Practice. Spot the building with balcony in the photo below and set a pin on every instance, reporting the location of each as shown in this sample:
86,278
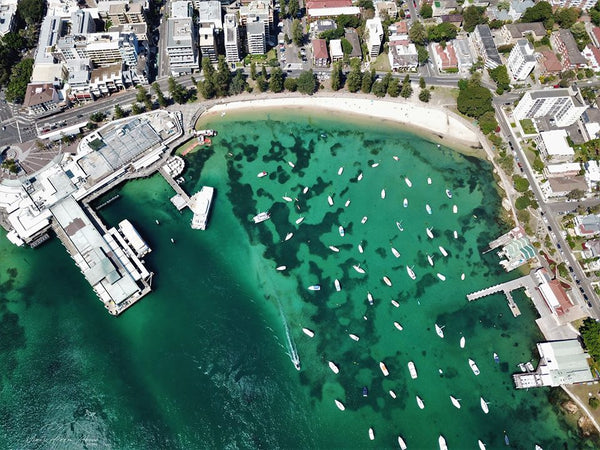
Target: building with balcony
232,38
564,43
483,42
562,106
521,60
256,39
374,36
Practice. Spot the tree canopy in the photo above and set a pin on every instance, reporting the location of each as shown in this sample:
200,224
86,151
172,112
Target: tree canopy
418,33
444,31
521,183
501,77
31,11
307,84
540,12
276,80
426,11
590,332
19,77
473,99
595,14
488,122
566,17
473,16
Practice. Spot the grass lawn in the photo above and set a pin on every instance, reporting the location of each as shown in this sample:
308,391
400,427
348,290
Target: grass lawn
528,127
381,63
187,147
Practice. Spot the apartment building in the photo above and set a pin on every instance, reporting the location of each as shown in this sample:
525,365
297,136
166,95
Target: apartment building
564,43
256,38
483,42
182,40
581,4
258,10
563,106
232,38
374,32
521,60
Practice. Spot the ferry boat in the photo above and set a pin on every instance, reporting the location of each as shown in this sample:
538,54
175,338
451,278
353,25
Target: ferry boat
365,391
340,170
398,326
314,287
305,190
462,276
496,359
363,220
371,434
484,405
430,260
262,174
341,231
420,403
286,198
374,164
408,182
201,207
354,337
292,165
261,217
474,367
401,443
455,209
428,208
333,367
280,268
338,287
455,401
481,444
442,443
383,369
410,272
455,234
340,405
360,176
360,248
443,251
399,225
449,193
308,332
288,236
462,342
347,203
395,252
383,193
413,370
358,268
333,248
370,298
387,281
395,303
428,180
392,394
441,276
429,233
299,220
405,203
329,200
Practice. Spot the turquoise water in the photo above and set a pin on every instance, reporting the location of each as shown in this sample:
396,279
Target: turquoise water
204,360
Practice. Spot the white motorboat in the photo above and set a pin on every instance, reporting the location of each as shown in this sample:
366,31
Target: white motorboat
428,208
413,370
474,367
172,241
462,276
395,252
405,203
398,326
157,222
358,268
262,174
384,369
360,176
370,298
299,220
441,276
288,236
387,281
305,190
329,200
455,234
314,287
455,209
408,182
455,401
401,443
399,225
428,180
340,405
261,217
410,272
333,367
392,394
443,251
333,248
482,445
363,220
420,403
341,231
395,158
292,165
429,233
360,248
430,259
383,193
286,198
340,170
347,203
448,193
280,268
484,405
337,284
308,332
439,330
442,443
529,366
374,164
462,342
354,337
395,303
371,434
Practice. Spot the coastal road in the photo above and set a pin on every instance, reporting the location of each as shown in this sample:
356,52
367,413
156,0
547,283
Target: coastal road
557,238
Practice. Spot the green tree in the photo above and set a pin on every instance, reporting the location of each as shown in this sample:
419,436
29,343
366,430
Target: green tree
590,332
473,99
521,184
307,83
354,81
422,84
13,41
444,31
501,77
406,90
422,54
522,203
426,11
222,77
31,11
595,14
496,24
337,81
379,89
119,113
207,88
386,80
425,95
473,16
17,83
208,69
97,117
394,88
594,402
261,84
367,82
418,33
346,46
575,194
293,8
263,72
136,109
581,35
177,92
160,97
290,84
238,83
540,12
143,97
566,17
276,80
488,122
253,70
297,32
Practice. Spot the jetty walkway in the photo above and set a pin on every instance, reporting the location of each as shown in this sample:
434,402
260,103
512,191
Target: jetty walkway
526,282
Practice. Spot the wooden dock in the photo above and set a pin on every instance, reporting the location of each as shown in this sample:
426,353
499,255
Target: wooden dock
177,188
526,282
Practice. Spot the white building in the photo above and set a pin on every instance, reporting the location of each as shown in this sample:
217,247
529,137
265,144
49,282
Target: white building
553,144
563,106
8,13
568,169
521,60
232,39
182,41
256,37
374,31
592,175
209,14
581,4
258,10
335,50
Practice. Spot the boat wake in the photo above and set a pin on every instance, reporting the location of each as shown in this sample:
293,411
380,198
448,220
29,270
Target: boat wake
290,344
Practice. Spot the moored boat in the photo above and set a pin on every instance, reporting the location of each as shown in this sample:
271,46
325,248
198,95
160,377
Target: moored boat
496,359
392,394
371,433
442,443
462,276
383,193
443,251
428,180
341,231
410,272
286,198
455,401
408,182
333,248
299,220
395,303
333,367
280,268
354,337
305,190
360,176
429,233
455,209
405,203
439,330
395,252
529,366
369,298
340,405
262,174
462,342
430,260
374,164
484,405
474,367
363,220
340,170
455,234
358,268
329,200
413,370
384,369
261,217
420,403
441,276
365,391
428,208
387,281
337,284
398,326
448,193
399,225
314,287
292,165
288,236
401,443
308,332
360,248
347,203
481,444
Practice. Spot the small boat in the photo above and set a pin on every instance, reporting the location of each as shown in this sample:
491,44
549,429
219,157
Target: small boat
340,405
522,367
360,176
428,180
496,359
280,268
347,203
395,158
413,370
474,367
340,170
395,252
308,332
448,193
439,330
484,405
341,231
365,391
401,443
314,287
395,303
529,366
383,369
333,248
172,241
441,276
420,402
430,259
410,272
506,440
392,394
324,135
371,434
329,200
299,220
455,209
442,443
262,174
462,276
374,164
383,193
333,367
363,220
462,342
428,208
370,298
455,233
429,233
354,337
157,222
292,165
360,248
481,445
398,326
286,198
405,203
408,182
358,268
443,251
537,447
297,365
305,190
455,401
399,225
288,236
387,281
261,217
337,284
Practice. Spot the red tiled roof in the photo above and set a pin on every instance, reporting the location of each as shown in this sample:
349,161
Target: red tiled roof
447,56
320,49
401,27
328,3
595,52
596,33
551,62
561,296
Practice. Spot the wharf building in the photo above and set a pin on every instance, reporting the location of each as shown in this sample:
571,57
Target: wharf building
57,198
